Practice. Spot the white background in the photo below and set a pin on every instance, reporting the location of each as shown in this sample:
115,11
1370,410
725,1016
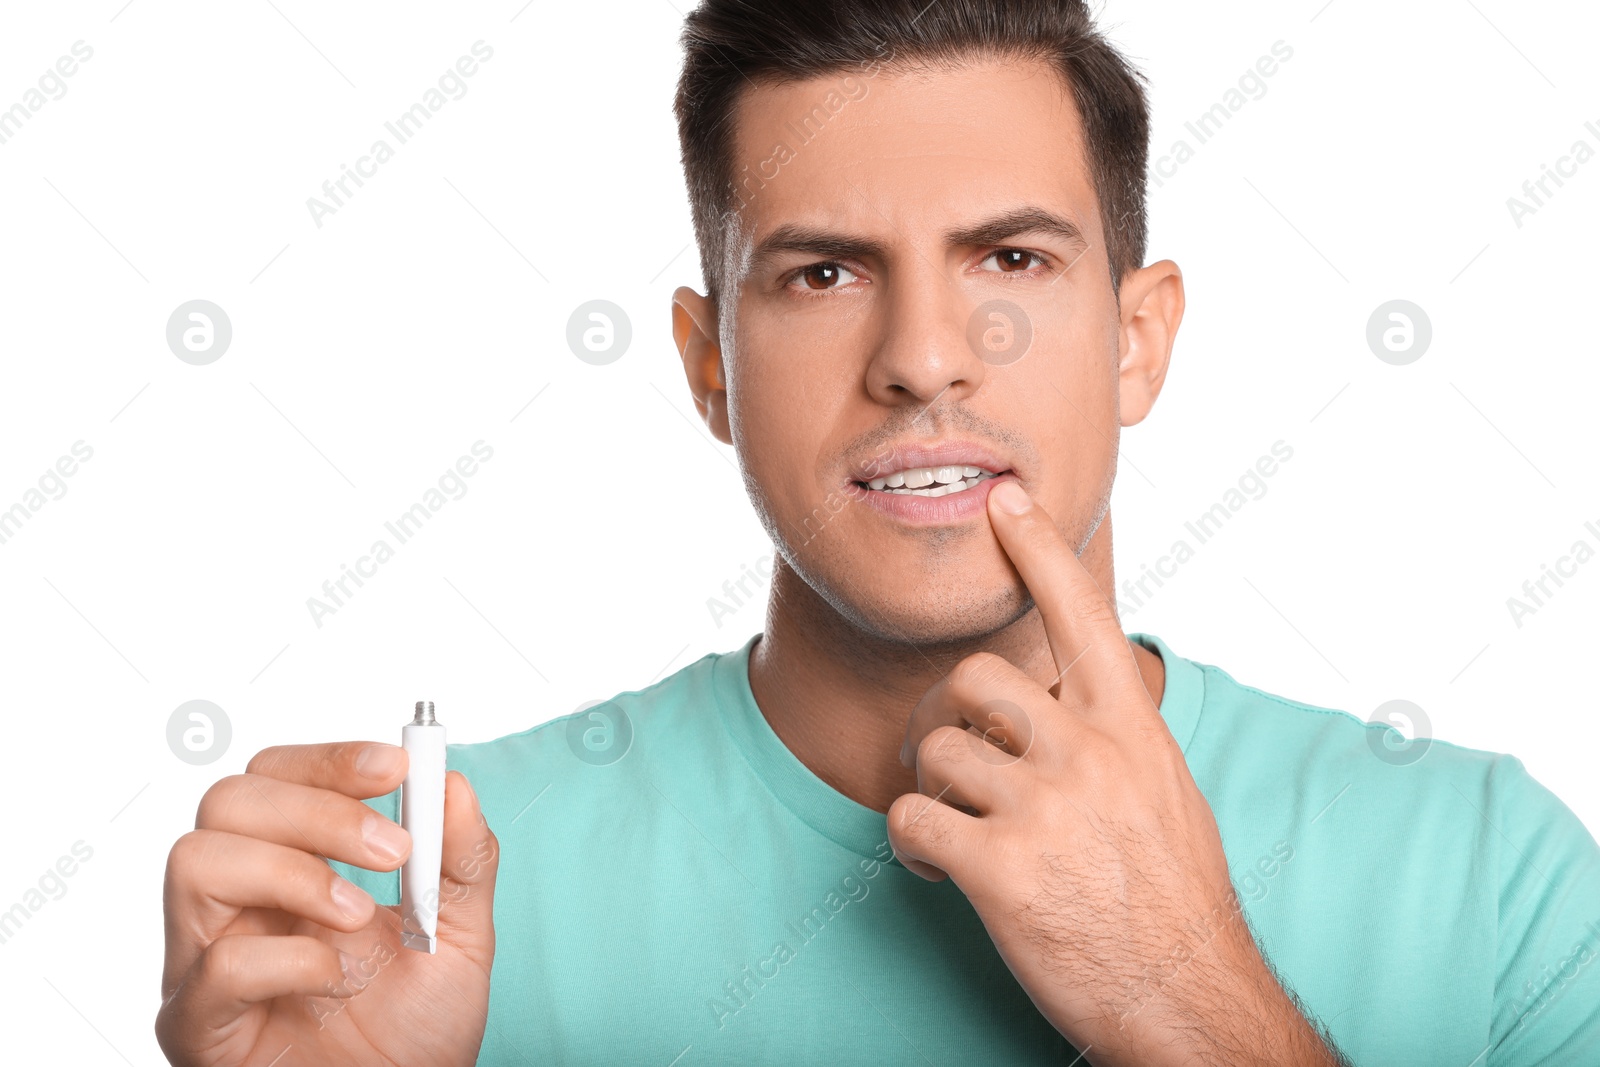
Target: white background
368,354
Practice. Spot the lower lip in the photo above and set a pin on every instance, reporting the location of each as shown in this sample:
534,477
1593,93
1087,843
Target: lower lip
948,510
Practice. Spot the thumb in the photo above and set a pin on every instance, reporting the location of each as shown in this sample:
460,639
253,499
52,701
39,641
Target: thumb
470,859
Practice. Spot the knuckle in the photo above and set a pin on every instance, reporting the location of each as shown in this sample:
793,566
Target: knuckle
223,962
189,855
268,759
481,864
976,674
903,822
942,745
331,763
168,1029
490,859
306,955
1005,723
304,762
912,819
302,878
1095,761
323,809
219,800
1090,606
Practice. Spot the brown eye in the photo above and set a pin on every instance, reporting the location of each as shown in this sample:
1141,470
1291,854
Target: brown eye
823,276
1012,260
1016,260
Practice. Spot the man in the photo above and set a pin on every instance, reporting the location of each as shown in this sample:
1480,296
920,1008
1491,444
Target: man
941,810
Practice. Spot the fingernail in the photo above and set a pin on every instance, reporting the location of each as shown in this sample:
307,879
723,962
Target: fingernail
350,898
384,838
378,761
1011,497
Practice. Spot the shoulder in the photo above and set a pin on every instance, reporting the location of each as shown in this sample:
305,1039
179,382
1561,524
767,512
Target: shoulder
1388,790
1395,734
676,712
1261,747
1411,849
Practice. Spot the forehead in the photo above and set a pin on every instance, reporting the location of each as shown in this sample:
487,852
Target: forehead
894,151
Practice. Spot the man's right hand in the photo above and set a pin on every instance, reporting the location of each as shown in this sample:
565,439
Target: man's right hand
272,958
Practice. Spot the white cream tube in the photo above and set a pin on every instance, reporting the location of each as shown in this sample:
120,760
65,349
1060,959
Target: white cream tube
422,815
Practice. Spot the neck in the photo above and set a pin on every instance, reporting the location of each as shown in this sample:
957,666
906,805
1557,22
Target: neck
839,697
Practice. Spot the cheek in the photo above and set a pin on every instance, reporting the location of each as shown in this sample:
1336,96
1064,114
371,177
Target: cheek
1063,397
780,408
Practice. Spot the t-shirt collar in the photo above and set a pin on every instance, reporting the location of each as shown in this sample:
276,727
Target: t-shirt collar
844,821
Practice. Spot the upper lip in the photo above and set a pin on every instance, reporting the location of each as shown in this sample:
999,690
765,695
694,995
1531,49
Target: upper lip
909,455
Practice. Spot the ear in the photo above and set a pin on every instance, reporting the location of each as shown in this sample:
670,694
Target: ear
694,331
1152,308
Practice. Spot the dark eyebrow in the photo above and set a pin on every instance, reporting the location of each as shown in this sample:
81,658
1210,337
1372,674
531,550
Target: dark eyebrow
1002,228
813,241
828,244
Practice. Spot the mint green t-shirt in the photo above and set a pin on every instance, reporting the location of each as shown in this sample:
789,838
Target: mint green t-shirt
677,888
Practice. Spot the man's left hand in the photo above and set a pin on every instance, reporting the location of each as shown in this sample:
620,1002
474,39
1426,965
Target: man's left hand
1067,815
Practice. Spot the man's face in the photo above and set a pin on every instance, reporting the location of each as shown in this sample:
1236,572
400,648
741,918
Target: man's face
862,357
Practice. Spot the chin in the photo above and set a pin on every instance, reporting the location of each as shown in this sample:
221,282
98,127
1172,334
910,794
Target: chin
919,613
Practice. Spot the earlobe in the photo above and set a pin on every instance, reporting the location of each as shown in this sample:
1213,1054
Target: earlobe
1152,308
694,331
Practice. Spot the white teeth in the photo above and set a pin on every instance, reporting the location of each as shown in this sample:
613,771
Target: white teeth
930,481
941,490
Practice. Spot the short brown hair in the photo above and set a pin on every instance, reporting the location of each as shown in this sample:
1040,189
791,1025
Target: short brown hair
729,44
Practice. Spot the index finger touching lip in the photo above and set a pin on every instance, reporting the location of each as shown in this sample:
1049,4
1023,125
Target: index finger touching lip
1090,650
359,769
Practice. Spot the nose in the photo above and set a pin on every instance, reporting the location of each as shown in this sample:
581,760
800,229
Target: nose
923,354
